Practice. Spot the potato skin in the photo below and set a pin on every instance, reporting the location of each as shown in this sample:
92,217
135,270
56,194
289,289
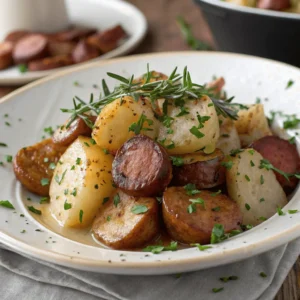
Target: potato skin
197,226
118,227
30,167
204,174
66,136
282,155
142,167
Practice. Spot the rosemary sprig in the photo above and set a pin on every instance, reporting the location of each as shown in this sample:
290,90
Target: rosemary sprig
172,89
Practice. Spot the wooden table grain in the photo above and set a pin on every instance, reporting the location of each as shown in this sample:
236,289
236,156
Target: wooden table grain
164,35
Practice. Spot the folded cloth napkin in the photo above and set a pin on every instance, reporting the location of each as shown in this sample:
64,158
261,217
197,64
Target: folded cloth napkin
34,279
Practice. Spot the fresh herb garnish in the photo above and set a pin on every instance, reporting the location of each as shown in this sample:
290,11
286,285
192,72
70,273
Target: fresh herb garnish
217,290
177,161
262,274
78,161
192,207
156,249
247,206
280,212
80,215
67,206
226,279
265,164
22,68
34,210
7,204
44,181
59,181
247,178
44,200
201,247
8,158
217,208
105,199
217,234
116,200
3,145
292,211
139,209
227,164
289,84
216,193
191,189
138,127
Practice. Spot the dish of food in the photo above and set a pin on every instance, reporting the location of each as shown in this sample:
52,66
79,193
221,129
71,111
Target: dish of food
128,184
281,5
34,51
26,56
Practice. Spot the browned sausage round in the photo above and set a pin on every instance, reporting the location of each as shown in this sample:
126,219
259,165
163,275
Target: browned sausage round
107,40
205,174
282,155
60,48
15,36
65,136
30,47
126,222
196,227
83,52
142,167
49,63
32,164
274,4
73,35
6,60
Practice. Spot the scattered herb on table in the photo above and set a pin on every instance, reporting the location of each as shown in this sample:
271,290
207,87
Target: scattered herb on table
7,204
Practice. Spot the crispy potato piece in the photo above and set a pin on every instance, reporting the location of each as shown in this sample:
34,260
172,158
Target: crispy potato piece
80,183
142,167
178,139
117,226
66,136
111,128
229,138
32,164
203,170
196,227
255,190
252,124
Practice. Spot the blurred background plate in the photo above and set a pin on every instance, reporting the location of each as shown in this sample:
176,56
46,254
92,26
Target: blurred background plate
100,14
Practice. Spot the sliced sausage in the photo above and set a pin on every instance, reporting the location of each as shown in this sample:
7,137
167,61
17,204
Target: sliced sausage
6,49
61,48
127,222
15,36
83,52
30,47
274,4
32,164
107,40
66,136
49,63
205,171
196,227
282,155
73,35
142,167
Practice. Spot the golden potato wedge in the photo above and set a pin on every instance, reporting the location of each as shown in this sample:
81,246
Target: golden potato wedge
111,128
256,191
178,138
81,181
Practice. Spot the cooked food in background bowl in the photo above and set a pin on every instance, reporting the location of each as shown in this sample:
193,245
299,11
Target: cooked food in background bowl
250,30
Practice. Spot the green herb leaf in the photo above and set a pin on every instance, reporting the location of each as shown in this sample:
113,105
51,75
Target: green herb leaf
217,290
3,145
44,181
280,212
67,206
200,247
7,204
22,68
156,249
139,209
217,234
44,200
34,210
80,215
138,127
289,84
177,161
116,200
191,189
8,158
292,211
195,131
262,274
227,164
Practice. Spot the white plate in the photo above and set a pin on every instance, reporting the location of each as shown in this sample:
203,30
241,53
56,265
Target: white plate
100,14
38,105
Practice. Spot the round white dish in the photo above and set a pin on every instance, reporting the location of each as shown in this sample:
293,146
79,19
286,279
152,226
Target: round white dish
100,14
38,105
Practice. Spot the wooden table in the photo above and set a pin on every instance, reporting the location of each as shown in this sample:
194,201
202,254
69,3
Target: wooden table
163,35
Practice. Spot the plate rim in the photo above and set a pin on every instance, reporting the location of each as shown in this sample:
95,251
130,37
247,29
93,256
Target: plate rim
121,50
144,267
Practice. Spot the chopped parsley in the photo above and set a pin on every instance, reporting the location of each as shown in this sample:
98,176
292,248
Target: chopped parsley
80,215
201,247
217,208
261,199
234,152
262,274
247,206
217,234
252,163
265,164
227,164
67,206
8,158
7,204
247,178
177,161
22,68
74,192
191,189
105,200
7,123
105,151
49,130
108,218
44,200
52,166
226,279
292,211
192,207
262,180
78,161
138,126
292,140
156,249
139,209
3,145
289,84
59,181
116,200
44,181
87,144
195,131
280,212
217,290
183,111
34,210
92,141
216,193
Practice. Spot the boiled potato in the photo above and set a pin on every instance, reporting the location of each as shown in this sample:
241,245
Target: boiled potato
229,138
80,183
178,139
256,190
111,128
252,124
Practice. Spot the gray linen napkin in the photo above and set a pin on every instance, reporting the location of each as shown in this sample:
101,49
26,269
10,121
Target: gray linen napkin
34,279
